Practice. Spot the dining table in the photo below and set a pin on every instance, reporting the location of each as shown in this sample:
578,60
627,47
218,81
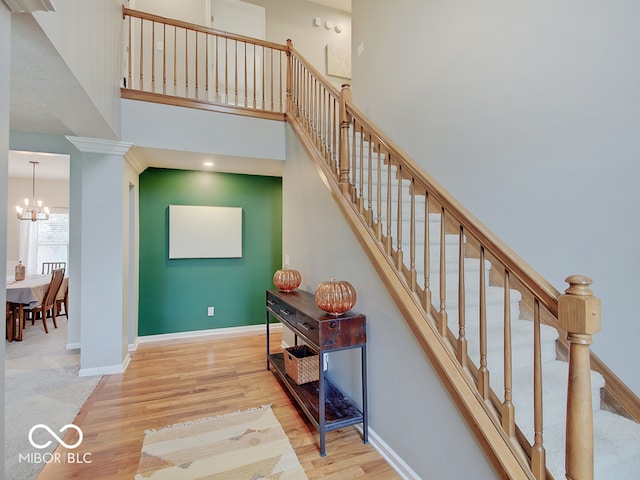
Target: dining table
27,293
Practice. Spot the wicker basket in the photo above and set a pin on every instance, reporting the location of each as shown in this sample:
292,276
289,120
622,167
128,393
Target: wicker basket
301,364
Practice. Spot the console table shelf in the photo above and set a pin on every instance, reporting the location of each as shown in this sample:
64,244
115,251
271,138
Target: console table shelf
340,411
323,403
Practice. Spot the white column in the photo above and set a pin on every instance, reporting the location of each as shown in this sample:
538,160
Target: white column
103,250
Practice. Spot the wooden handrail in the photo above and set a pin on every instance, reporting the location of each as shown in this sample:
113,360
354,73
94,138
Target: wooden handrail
127,12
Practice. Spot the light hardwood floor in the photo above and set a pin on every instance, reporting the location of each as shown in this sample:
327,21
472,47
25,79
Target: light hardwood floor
174,382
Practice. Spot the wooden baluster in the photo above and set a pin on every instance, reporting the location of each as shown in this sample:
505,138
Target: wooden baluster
345,122
246,94
290,78
207,62
443,317
235,76
379,197
129,56
399,259
175,59
255,79
370,185
579,316
165,47
461,345
153,56
427,253
413,276
483,372
327,132
196,65
217,70
141,86
538,455
388,237
508,411
186,61
353,156
360,189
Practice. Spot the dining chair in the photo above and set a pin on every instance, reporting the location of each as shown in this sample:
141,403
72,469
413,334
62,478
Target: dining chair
10,321
62,300
47,267
48,304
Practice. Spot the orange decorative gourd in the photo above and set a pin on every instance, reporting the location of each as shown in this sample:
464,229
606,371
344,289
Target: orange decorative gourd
335,297
287,279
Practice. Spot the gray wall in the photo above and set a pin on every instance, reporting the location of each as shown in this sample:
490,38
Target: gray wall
97,61
528,113
294,20
409,408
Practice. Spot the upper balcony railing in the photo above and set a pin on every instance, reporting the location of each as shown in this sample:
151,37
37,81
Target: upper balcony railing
424,241
185,64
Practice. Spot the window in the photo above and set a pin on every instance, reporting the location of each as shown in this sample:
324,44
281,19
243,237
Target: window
44,241
53,239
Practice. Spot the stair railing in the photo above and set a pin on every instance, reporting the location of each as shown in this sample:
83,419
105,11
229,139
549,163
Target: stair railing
180,63
361,162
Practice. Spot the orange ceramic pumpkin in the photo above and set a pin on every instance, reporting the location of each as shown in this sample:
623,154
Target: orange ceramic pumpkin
287,279
335,297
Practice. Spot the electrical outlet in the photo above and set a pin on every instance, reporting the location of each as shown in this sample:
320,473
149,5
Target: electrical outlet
210,311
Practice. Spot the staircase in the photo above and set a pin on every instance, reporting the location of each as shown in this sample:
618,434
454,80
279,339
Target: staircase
487,322
617,439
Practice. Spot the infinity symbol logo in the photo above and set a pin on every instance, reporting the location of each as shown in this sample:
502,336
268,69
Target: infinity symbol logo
53,434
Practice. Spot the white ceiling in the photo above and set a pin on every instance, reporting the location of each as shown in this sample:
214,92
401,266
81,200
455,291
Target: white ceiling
50,165
344,5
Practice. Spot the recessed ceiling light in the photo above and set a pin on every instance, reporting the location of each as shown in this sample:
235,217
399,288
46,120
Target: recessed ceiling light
208,164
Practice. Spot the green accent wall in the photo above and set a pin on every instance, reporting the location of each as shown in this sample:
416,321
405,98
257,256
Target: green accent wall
174,294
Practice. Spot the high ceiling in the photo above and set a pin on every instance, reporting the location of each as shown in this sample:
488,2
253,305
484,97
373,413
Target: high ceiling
344,5
46,98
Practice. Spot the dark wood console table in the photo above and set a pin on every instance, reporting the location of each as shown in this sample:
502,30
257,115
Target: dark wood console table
323,403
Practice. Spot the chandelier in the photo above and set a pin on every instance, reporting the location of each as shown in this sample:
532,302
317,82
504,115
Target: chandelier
32,210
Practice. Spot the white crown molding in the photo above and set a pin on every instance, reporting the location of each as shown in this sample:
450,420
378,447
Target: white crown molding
136,160
29,6
97,145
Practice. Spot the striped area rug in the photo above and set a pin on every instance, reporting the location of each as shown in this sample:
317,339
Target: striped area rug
241,445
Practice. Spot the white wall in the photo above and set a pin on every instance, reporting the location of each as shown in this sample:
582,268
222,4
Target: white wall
409,408
192,130
87,35
528,113
294,20
192,11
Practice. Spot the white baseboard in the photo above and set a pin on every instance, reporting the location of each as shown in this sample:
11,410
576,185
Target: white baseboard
134,346
73,346
229,331
106,370
390,456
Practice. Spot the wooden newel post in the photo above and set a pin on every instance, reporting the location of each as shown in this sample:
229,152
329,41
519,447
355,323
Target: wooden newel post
343,155
579,316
